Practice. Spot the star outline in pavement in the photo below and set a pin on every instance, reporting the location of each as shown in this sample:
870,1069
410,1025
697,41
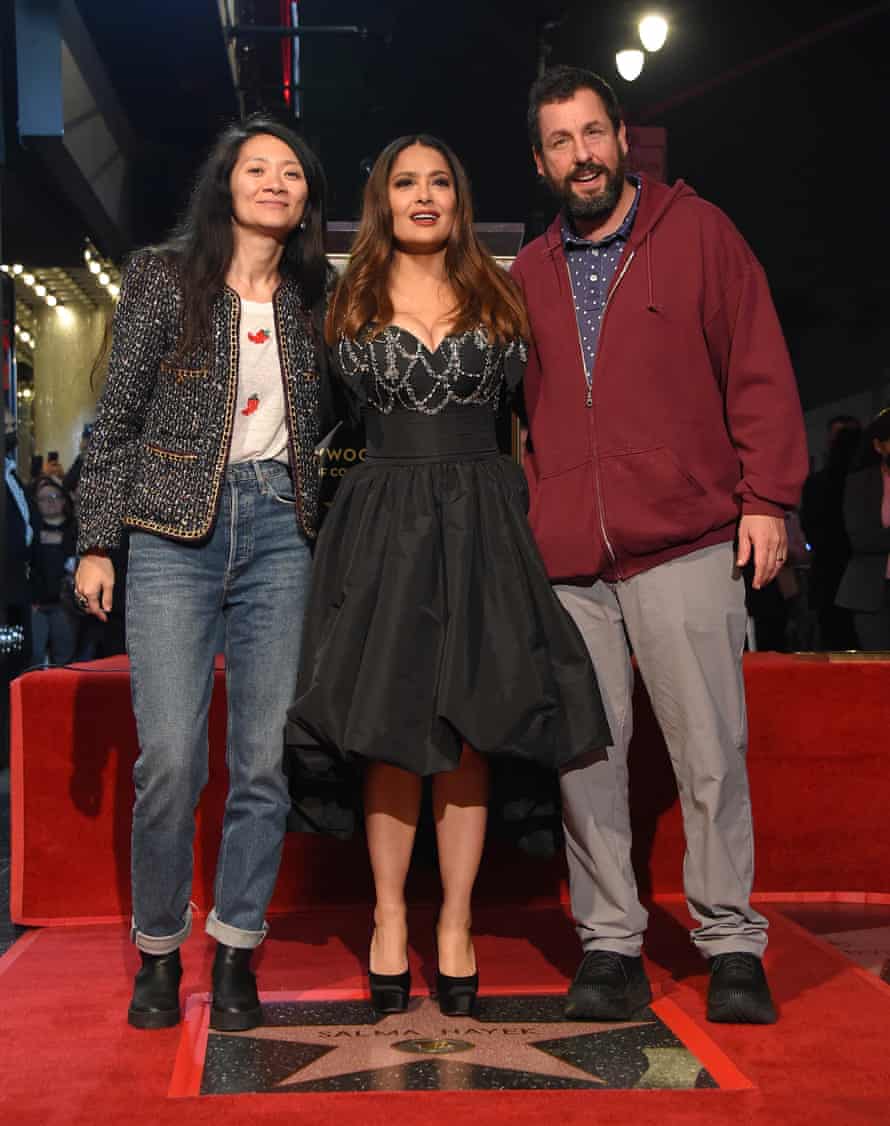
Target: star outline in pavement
423,1034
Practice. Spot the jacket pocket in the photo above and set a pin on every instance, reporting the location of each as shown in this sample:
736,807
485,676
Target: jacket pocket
651,502
182,401
564,520
169,491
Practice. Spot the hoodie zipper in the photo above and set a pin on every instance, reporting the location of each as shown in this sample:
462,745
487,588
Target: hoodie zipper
588,379
588,375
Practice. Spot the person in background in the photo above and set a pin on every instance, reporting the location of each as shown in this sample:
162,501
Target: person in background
822,518
53,559
36,472
52,467
665,424
71,480
19,538
865,586
203,447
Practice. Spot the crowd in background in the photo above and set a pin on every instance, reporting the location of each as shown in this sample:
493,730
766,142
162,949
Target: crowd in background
41,557
805,608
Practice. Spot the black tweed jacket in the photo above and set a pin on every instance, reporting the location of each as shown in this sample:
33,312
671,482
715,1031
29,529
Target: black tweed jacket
159,449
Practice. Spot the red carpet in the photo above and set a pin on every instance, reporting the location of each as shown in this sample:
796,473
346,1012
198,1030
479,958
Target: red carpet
820,780
69,1057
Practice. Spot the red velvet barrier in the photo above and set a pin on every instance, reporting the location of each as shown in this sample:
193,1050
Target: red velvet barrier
819,764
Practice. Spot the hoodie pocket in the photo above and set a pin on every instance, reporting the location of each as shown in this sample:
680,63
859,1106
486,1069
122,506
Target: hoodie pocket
651,502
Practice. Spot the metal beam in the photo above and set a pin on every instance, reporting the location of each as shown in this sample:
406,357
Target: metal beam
245,30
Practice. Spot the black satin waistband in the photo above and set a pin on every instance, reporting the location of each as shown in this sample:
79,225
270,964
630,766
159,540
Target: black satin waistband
405,435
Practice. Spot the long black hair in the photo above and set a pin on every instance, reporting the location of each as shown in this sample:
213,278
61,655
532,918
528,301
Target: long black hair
203,243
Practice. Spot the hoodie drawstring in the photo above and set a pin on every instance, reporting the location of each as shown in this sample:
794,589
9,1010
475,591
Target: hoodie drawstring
651,306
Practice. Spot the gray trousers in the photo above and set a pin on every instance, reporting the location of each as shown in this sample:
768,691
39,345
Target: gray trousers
686,623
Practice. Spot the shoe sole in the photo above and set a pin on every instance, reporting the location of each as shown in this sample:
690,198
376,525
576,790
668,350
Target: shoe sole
235,1022
741,1011
389,1010
587,1003
161,1018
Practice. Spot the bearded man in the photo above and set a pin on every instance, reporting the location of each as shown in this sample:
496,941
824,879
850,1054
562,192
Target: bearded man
666,446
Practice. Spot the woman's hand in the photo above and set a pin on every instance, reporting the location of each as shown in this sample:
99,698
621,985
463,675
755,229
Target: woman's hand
94,585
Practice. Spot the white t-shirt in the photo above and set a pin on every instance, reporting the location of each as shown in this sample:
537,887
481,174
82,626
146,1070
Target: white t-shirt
260,430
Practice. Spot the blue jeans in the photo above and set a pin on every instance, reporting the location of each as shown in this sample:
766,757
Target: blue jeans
244,589
53,633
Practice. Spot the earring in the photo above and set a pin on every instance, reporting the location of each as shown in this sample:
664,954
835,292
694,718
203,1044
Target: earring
302,225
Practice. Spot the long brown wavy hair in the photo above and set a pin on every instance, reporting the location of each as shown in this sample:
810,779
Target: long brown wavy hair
485,293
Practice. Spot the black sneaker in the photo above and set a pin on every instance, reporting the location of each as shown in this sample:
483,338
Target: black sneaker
739,993
608,986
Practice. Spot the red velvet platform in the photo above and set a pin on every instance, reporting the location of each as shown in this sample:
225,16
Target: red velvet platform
819,763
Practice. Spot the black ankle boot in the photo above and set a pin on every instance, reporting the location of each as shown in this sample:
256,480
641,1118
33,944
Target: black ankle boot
155,1002
236,1005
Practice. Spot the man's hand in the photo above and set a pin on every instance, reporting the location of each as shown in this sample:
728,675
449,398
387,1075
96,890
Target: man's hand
94,584
766,539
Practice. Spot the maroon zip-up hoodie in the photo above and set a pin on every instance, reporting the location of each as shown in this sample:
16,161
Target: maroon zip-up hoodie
694,417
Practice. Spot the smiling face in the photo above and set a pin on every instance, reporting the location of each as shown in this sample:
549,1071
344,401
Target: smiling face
269,189
582,156
422,199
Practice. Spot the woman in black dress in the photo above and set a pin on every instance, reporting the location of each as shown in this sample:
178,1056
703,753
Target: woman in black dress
433,638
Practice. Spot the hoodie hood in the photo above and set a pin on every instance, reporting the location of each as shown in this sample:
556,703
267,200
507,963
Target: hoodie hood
656,200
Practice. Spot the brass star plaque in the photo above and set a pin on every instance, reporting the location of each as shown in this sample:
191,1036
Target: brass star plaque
512,1043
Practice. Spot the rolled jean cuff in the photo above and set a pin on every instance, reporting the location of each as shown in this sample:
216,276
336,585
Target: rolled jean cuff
164,944
234,936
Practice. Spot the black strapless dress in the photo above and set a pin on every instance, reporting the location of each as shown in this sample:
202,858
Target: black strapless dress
432,621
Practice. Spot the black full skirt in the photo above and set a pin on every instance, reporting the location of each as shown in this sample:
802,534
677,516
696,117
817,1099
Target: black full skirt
432,623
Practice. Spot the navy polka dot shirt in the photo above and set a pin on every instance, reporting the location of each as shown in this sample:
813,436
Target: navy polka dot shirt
592,267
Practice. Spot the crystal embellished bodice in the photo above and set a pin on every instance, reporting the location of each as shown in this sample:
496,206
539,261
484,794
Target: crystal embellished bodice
395,371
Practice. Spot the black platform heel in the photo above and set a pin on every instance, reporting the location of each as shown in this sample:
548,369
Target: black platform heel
457,995
390,992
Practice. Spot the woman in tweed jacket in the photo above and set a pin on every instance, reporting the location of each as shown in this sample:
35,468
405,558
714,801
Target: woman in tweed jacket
204,449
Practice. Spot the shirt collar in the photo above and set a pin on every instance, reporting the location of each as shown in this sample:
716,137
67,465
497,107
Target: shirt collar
573,241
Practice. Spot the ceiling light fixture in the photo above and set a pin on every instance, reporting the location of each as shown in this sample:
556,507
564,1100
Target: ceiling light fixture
653,30
630,64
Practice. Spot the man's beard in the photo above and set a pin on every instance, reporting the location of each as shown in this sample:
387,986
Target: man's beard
598,206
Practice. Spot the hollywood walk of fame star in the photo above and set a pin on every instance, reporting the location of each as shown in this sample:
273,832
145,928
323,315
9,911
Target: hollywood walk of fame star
424,1034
